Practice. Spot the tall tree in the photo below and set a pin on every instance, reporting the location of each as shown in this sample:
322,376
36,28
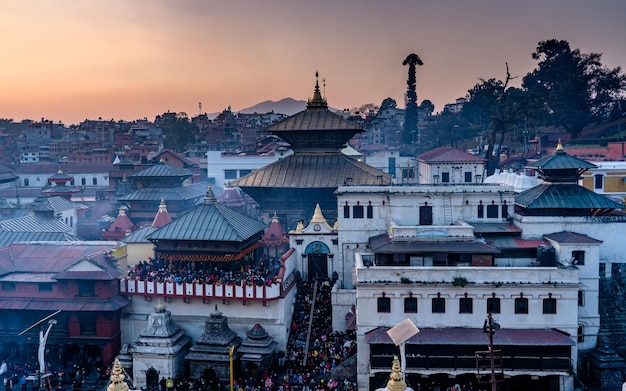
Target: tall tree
177,131
572,88
410,116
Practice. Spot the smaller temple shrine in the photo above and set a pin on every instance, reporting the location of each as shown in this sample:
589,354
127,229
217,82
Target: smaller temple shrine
396,378
117,380
120,227
274,242
257,353
160,349
211,355
60,188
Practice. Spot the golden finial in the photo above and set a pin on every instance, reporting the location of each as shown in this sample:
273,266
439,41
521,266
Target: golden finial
275,218
117,378
396,379
559,146
299,227
160,307
162,206
318,217
122,211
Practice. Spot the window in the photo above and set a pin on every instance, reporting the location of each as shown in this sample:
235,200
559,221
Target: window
493,305
549,306
357,211
505,211
230,174
439,305
602,270
370,212
579,257
45,287
83,181
492,211
481,211
86,288
88,324
426,215
445,177
94,181
410,305
598,182
26,182
521,305
346,212
581,298
384,304
581,333
392,167
466,305
468,177
8,286
244,172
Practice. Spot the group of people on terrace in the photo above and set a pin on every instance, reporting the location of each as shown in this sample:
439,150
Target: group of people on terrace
260,272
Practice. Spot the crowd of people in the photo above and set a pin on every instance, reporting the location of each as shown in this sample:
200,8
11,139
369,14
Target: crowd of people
258,272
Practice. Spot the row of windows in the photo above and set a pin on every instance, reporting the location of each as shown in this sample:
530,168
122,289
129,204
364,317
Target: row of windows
466,305
85,288
358,212
83,182
234,174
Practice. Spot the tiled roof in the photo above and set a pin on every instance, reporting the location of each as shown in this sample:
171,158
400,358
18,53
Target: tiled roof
162,170
210,221
167,193
449,155
306,170
563,196
110,304
49,257
571,237
313,120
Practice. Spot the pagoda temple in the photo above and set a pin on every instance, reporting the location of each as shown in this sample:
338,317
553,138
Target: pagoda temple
294,185
159,182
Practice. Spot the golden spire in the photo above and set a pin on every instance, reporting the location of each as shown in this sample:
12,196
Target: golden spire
299,227
317,102
396,379
117,378
318,217
162,206
559,146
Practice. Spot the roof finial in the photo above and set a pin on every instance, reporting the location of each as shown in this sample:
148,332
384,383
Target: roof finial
559,146
209,197
317,102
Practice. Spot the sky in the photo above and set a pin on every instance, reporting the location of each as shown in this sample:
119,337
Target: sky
68,60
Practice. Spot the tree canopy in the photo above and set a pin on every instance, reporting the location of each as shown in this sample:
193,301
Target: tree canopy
177,131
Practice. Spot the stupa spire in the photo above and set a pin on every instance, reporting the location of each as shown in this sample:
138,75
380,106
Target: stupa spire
317,102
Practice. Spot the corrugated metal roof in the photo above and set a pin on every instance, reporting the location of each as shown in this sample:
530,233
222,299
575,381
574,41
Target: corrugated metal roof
475,336
382,244
210,221
140,235
306,170
572,237
35,223
8,238
167,193
509,243
563,196
560,160
490,228
162,170
449,155
56,204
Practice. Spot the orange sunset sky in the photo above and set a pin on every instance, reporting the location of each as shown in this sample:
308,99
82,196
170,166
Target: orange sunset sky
69,60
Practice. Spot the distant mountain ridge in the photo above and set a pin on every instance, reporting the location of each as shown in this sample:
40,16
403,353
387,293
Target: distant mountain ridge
288,106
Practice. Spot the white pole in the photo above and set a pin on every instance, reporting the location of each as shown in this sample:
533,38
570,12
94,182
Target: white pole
403,358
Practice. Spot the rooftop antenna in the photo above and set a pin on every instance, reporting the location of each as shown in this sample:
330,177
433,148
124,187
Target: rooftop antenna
199,108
